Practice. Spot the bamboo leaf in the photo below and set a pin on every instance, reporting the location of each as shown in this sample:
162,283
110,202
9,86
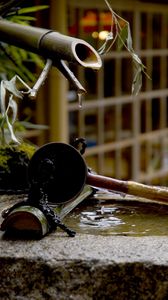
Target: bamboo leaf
37,59
129,38
18,56
23,54
122,37
31,9
11,131
20,18
11,88
137,81
12,57
136,58
9,92
13,107
10,105
28,75
14,52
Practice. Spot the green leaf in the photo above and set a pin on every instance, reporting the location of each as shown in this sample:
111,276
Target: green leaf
37,59
122,37
137,81
31,9
14,52
29,75
19,18
129,38
23,54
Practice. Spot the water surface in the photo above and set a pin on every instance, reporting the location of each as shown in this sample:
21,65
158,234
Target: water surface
117,218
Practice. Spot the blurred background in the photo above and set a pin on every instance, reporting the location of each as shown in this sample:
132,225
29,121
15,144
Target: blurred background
127,136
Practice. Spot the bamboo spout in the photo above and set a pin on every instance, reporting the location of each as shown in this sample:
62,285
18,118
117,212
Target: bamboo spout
53,46
50,44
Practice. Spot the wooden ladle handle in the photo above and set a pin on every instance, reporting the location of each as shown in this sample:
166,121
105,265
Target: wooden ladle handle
128,187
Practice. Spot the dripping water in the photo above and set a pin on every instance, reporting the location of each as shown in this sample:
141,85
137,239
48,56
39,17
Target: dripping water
79,94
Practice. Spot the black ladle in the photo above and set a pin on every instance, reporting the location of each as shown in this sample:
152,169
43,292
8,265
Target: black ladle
62,172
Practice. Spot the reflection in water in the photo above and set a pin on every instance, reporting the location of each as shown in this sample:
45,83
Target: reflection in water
120,218
101,218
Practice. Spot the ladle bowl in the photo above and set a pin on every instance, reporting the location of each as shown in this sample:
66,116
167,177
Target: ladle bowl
60,169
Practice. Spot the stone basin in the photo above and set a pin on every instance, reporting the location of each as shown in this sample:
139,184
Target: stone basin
87,266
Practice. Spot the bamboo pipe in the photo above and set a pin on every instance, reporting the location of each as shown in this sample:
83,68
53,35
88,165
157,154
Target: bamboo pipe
50,44
54,46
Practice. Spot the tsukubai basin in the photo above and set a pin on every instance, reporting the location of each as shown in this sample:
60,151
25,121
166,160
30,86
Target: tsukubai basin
117,253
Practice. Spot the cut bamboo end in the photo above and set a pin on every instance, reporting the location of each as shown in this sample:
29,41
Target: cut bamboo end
26,220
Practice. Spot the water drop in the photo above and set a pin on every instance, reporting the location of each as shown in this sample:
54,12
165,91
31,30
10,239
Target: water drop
80,99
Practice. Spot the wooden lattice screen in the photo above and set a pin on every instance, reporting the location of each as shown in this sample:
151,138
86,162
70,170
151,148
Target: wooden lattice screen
127,136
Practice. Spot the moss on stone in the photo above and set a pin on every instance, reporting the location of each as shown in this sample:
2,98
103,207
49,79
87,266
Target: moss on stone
14,161
8,152
27,148
4,157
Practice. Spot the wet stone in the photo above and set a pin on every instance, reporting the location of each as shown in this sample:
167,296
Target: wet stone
87,266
